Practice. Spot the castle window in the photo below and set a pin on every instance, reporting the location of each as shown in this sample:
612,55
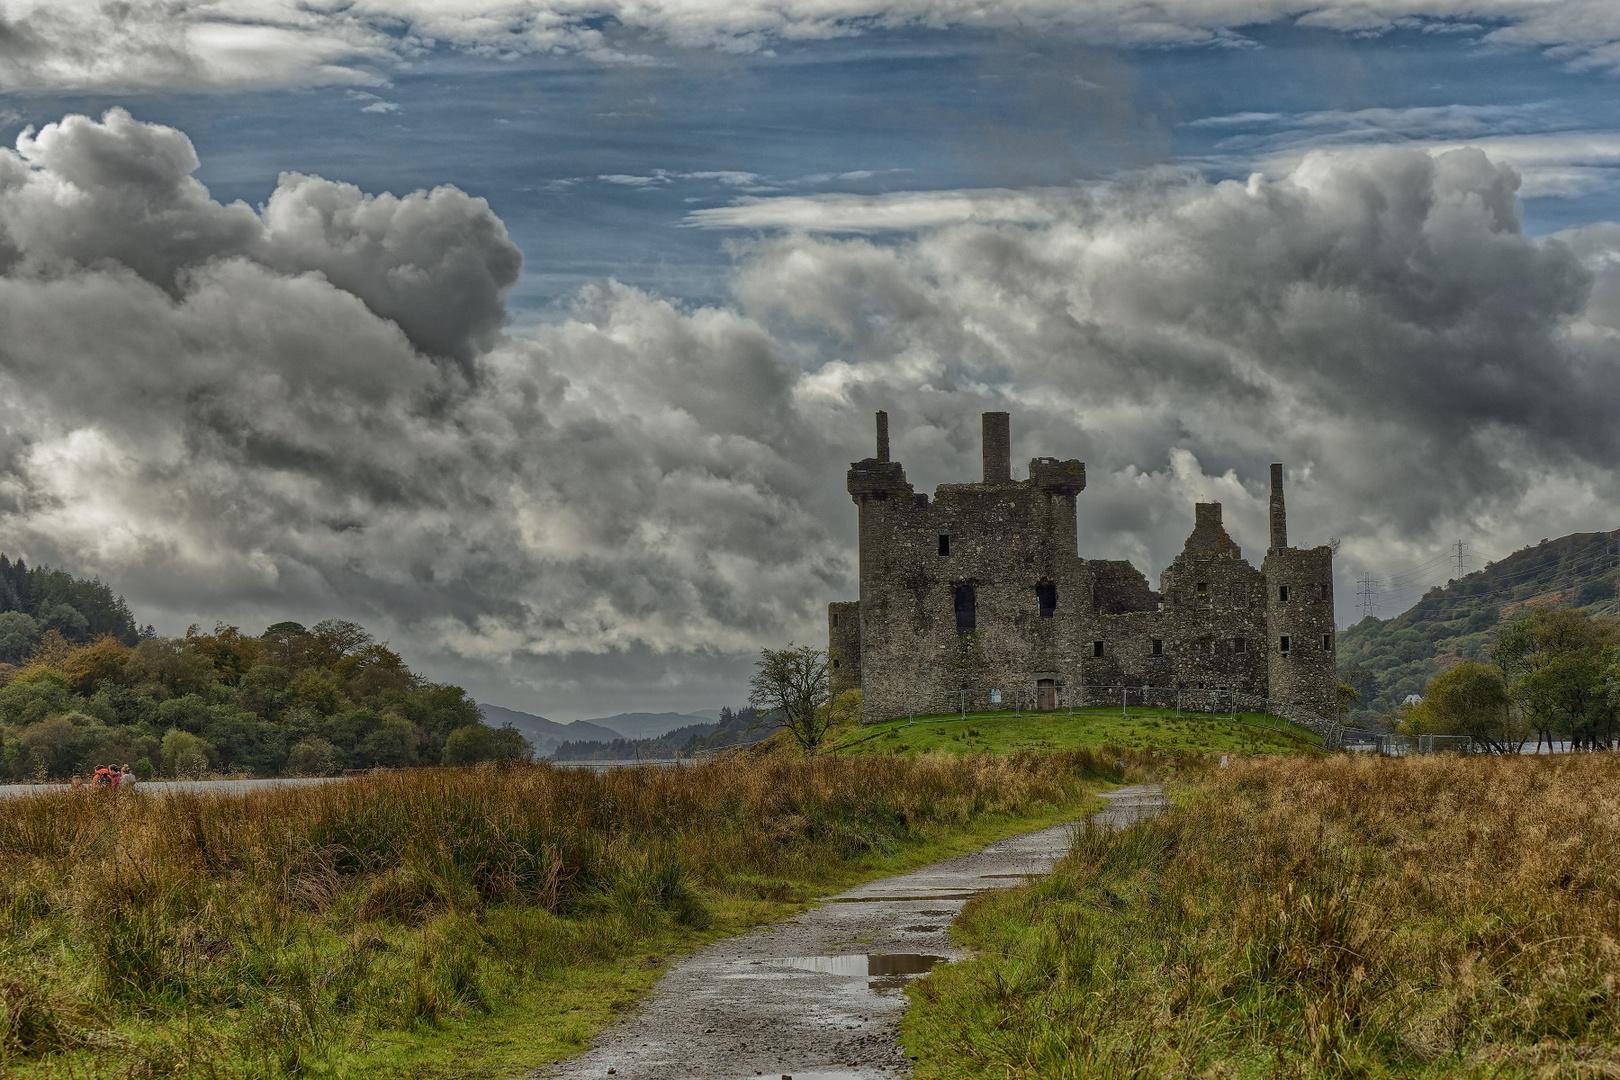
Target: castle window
944,543
1284,643
1202,591
1158,646
835,665
967,614
1327,642
1240,644
835,622
1096,648
1046,596
1324,592
1282,594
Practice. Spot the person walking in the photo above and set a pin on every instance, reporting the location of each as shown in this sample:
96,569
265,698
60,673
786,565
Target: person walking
129,779
77,782
114,775
100,778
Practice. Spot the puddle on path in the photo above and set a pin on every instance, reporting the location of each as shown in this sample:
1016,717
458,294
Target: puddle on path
923,928
1029,875
862,964
814,1075
902,899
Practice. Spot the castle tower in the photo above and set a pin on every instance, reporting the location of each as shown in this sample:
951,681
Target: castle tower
1300,629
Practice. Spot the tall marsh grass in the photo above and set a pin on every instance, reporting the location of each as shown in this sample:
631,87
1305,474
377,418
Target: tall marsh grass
245,934
1432,916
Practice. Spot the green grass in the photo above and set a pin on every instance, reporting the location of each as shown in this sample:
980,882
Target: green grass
443,923
536,1025
1387,919
1140,729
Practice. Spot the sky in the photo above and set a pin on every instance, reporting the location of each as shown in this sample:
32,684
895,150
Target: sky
537,337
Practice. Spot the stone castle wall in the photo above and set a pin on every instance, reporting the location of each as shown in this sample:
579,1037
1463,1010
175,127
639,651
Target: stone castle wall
981,588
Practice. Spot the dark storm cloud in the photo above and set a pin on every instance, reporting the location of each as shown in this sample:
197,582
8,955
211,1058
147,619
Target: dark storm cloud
312,410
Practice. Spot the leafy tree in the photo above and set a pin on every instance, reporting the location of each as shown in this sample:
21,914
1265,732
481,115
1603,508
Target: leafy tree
393,742
469,745
19,632
184,754
47,749
287,645
508,744
790,687
313,756
1471,699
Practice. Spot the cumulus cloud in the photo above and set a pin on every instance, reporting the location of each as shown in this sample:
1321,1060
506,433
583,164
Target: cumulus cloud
312,408
1555,155
80,44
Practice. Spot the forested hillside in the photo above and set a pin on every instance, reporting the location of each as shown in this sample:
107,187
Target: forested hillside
36,599
1387,659
290,700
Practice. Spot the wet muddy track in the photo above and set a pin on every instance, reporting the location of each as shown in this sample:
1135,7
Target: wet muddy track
820,996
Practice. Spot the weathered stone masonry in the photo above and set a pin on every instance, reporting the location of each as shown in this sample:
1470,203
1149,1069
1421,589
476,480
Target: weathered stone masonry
981,588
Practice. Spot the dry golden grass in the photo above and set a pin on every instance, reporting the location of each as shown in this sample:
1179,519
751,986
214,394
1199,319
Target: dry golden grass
1436,916
252,934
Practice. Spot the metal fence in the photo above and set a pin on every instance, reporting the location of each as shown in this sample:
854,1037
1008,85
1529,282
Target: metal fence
1392,745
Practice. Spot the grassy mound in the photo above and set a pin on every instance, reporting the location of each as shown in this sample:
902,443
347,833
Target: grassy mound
1139,729
438,922
1418,917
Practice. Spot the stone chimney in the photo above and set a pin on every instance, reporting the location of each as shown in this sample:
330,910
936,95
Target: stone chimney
997,448
883,436
1279,517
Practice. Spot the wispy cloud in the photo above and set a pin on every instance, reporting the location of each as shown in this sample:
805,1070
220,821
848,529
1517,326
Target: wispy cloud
85,44
902,211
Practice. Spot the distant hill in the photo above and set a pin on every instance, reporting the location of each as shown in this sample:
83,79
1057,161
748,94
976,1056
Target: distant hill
733,729
648,725
1387,659
547,735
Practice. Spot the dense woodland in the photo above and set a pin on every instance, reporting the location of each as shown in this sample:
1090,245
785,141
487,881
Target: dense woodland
81,687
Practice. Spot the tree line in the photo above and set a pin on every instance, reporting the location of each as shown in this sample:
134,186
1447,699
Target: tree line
1553,673
292,700
35,600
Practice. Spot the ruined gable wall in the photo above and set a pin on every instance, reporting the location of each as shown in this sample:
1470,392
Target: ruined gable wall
844,646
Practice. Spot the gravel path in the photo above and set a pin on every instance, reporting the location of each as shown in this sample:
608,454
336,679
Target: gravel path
819,997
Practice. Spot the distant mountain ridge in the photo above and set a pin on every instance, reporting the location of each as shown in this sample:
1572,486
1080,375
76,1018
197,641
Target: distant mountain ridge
647,725
547,735
1387,659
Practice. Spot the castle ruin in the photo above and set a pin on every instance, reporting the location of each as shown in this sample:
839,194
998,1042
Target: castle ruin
979,596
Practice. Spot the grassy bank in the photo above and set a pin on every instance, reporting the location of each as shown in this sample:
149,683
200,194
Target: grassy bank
1142,729
1422,917
439,922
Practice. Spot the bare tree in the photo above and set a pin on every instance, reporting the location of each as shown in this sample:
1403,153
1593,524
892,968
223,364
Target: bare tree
789,690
